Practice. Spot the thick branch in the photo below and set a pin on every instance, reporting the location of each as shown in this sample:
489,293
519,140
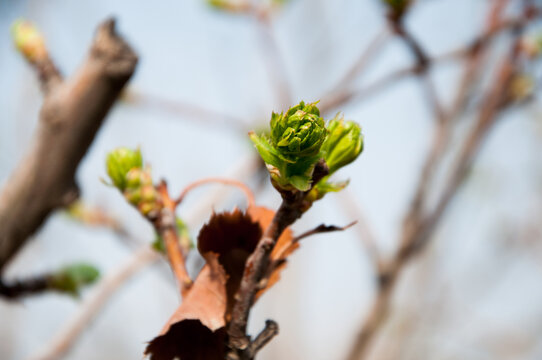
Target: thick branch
71,115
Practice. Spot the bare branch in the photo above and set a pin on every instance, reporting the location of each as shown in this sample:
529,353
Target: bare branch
418,226
276,66
341,97
70,117
166,227
363,61
320,229
246,190
199,114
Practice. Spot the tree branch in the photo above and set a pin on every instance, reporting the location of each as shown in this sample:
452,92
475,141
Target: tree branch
71,115
419,226
20,288
166,227
292,207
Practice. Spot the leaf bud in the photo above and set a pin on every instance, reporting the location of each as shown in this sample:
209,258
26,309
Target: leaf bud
72,278
119,162
28,40
343,144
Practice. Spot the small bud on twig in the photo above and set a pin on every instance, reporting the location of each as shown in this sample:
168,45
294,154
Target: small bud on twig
72,278
29,41
119,162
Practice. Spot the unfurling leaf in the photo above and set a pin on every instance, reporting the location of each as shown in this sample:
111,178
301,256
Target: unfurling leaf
343,144
293,148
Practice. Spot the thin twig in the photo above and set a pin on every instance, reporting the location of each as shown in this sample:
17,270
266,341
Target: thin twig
201,115
340,98
216,180
166,227
270,330
418,227
362,62
276,66
320,229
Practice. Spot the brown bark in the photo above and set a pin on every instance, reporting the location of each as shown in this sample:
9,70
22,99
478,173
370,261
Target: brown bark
72,113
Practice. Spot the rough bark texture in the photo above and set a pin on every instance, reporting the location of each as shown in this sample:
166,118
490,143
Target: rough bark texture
72,113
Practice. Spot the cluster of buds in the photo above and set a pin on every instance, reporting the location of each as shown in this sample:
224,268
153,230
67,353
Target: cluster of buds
531,45
299,140
125,168
72,278
28,41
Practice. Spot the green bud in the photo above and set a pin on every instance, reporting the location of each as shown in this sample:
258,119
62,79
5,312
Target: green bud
28,40
133,196
343,144
298,133
293,148
323,187
119,162
72,278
